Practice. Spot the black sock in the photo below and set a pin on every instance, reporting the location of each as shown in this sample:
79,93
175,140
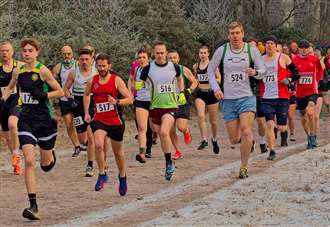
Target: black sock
90,163
168,158
33,199
284,135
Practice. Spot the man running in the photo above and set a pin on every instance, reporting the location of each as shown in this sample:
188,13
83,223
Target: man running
61,72
275,93
106,88
311,72
183,115
239,63
77,79
36,125
9,111
163,75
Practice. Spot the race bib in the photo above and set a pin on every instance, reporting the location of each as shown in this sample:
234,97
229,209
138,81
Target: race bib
203,77
236,77
28,99
4,88
104,107
78,121
305,80
269,79
165,88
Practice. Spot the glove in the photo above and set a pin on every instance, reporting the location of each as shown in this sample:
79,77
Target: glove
138,85
286,81
73,103
182,98
323,85
39,95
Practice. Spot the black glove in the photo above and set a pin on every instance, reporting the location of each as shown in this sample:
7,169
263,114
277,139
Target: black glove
73,103
39,94
323,85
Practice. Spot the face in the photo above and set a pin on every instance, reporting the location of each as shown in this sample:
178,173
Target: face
317,53
270,47
173,57
103,67
279,48
236,36
67,53
160,54
253,43
294,47
203,54
6,52
85,60
143,59
304,51
286,49
29,53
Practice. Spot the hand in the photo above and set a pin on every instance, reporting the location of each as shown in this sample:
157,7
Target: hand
73,104
112,100
286,81
138,85
182,99
187,92
87,118
39,94
218,94
251,72
323,85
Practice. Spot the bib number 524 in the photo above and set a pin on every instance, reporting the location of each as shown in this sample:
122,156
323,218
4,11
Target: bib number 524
236,77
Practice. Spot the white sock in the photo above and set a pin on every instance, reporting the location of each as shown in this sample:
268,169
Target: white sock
262,140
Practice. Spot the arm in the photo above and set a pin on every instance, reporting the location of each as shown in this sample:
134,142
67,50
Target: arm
190,76
320,70
124,91
290,66
259,65
68,83
11,86
212,68
50,80
87,100
217,76
56,70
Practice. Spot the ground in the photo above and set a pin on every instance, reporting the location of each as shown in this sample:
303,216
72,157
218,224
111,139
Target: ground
294,190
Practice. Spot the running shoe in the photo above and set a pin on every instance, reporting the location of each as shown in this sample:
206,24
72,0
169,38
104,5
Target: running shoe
284,143
314,142
253,146
272,155
187,137
148,154
31,213
263,148
216,148
16,163
76,151
169,171
177,155
275,132
292,138
203,145
309,142
243,173
89,171
140,158
101,180
122,185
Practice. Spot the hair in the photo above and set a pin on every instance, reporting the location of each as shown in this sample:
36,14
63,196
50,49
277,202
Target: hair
143,51
85,51
235,24
173,51
6,42
205,46
103,56
31,41
159,43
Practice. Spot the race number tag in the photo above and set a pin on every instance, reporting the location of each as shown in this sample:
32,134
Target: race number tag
203,77
165,88
236,77
305,80
4,88
104,107
269,79
78,121
28,99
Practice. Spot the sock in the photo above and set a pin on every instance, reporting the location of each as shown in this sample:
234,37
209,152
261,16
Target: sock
168,158
262,140
214,139
204,139
84,146
142,150
284,135
90,163
33,199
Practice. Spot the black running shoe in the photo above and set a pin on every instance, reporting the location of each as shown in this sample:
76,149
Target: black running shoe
31,213
140,158
272,155
253,146
76,151
148,154
284,143
216,148
203,145
263,148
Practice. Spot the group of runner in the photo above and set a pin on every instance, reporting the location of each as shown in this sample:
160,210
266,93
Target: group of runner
246,82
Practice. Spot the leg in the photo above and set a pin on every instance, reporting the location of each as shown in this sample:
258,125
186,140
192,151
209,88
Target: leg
68,120
200,106
99,138
246,124
291,117
142,122
149,140
318,109
213,117
164,133
233,130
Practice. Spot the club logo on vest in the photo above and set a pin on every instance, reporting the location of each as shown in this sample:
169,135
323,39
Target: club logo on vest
34,77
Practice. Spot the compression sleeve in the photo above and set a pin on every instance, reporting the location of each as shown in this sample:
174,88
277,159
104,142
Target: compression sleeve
144,73
294,72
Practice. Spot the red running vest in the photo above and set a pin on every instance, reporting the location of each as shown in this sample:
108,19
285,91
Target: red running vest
105,112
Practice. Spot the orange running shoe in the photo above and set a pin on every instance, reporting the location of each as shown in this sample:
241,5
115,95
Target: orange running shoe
16,163
177,155
187,137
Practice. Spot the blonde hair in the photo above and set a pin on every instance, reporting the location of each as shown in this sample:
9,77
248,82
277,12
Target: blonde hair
235,24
